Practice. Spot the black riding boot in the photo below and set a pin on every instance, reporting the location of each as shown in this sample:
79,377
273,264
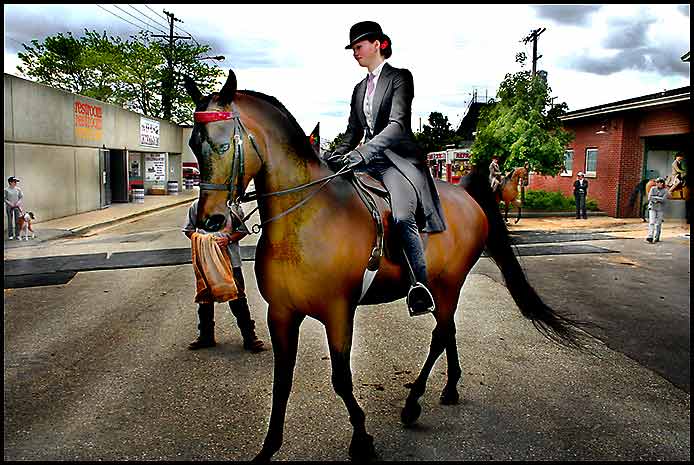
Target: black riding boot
239,308
206,327
419,299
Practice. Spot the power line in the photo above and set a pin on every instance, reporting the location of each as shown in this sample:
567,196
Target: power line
119,17
162,17
150,18
136,18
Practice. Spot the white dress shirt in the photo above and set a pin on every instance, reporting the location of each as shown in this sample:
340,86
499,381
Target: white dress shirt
367,101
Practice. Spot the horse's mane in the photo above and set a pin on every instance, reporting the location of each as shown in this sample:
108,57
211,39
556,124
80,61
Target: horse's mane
297,136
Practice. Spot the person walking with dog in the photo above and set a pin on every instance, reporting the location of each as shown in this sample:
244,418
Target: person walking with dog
580,194
381,114
656,207
229,242
13,200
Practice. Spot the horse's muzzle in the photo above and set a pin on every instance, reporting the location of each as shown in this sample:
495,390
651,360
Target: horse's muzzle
214,223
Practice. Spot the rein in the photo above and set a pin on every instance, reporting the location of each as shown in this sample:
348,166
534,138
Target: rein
235,182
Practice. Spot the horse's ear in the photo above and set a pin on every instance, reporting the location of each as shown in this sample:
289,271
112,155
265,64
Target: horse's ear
226,95
192,89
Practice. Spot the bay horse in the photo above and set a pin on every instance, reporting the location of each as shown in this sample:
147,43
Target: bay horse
508,190
315,244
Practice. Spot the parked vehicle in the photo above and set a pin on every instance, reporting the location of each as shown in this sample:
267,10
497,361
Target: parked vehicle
190,172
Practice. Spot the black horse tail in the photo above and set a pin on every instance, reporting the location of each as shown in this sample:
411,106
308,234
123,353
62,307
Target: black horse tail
640,188
555,327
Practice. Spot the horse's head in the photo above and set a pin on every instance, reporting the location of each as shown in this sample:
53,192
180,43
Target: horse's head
522,173
228,157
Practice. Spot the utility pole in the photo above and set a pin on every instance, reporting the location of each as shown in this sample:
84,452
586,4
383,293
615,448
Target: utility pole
533,36
168,83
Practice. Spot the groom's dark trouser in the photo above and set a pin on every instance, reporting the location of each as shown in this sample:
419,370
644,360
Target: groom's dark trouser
403,199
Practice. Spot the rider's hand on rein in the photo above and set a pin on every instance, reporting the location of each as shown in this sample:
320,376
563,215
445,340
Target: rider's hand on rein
352,159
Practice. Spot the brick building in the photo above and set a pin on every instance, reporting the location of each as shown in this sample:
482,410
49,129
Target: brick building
619,144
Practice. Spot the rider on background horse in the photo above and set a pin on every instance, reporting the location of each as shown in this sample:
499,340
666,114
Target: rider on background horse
494,173
679,173
381,111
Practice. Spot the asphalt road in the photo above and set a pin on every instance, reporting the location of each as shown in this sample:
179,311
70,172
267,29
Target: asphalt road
98,368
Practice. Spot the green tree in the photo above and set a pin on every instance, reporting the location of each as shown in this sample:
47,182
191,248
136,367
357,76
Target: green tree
126,73
336,141
522,126
437,134
86,66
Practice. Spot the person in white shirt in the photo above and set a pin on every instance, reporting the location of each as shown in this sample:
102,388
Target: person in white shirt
13,202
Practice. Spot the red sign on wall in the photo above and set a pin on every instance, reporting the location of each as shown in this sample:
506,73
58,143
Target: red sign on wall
88,121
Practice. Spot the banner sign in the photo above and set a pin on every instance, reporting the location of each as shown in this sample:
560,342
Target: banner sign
88,121
149,132
155,167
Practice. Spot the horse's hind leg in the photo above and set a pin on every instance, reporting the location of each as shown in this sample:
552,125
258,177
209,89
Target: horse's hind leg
339,330
284,332
442,337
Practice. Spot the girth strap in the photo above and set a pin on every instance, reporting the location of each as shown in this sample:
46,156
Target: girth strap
367,198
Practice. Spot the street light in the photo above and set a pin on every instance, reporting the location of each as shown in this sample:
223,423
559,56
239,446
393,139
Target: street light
218,58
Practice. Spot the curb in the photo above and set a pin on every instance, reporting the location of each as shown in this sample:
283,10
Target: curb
87,228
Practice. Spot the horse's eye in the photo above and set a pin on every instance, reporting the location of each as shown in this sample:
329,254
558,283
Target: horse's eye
223,148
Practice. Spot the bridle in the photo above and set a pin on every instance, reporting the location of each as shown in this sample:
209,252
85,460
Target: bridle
234,184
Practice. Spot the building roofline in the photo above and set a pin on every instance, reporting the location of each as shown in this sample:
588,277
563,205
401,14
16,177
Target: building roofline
661,98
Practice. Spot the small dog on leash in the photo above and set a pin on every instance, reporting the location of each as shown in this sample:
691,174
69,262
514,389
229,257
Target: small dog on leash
25,220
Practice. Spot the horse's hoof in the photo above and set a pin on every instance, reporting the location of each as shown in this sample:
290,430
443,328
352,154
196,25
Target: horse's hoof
362,449
410,413
262,457
449,396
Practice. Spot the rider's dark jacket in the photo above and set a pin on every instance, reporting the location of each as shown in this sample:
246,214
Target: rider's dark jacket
392,115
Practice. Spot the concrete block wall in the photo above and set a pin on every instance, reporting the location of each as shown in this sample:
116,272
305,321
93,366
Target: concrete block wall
58,163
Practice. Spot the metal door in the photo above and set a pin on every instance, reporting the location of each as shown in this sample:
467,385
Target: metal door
105,177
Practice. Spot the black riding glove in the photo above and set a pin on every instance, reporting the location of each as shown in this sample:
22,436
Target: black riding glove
353,159
334,161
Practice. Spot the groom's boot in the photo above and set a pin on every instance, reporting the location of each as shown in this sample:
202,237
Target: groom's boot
206,326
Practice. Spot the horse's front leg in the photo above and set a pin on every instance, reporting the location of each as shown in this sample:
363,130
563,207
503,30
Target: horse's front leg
339,328
518,205
507,206
284,332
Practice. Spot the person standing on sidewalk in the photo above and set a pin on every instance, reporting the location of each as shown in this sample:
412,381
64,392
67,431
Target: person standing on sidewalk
13,198
239,307
580,193
656,207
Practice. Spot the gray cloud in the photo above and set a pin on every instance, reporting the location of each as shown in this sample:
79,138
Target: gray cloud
627,33
663,60
570,15
684,9
22,26
629,38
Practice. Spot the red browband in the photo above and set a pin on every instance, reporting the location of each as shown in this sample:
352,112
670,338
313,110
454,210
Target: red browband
210,116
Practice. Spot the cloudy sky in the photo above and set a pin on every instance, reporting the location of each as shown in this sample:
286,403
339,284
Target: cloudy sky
593,54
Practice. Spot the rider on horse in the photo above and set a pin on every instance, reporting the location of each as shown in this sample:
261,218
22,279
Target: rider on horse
494,173
381,111
679,173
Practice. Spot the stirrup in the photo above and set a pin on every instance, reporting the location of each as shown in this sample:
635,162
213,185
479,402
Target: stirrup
416,287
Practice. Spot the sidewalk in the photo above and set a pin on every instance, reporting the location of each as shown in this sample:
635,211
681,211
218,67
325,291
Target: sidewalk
83,222
117,212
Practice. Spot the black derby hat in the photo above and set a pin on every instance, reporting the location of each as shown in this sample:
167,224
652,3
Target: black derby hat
362,30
